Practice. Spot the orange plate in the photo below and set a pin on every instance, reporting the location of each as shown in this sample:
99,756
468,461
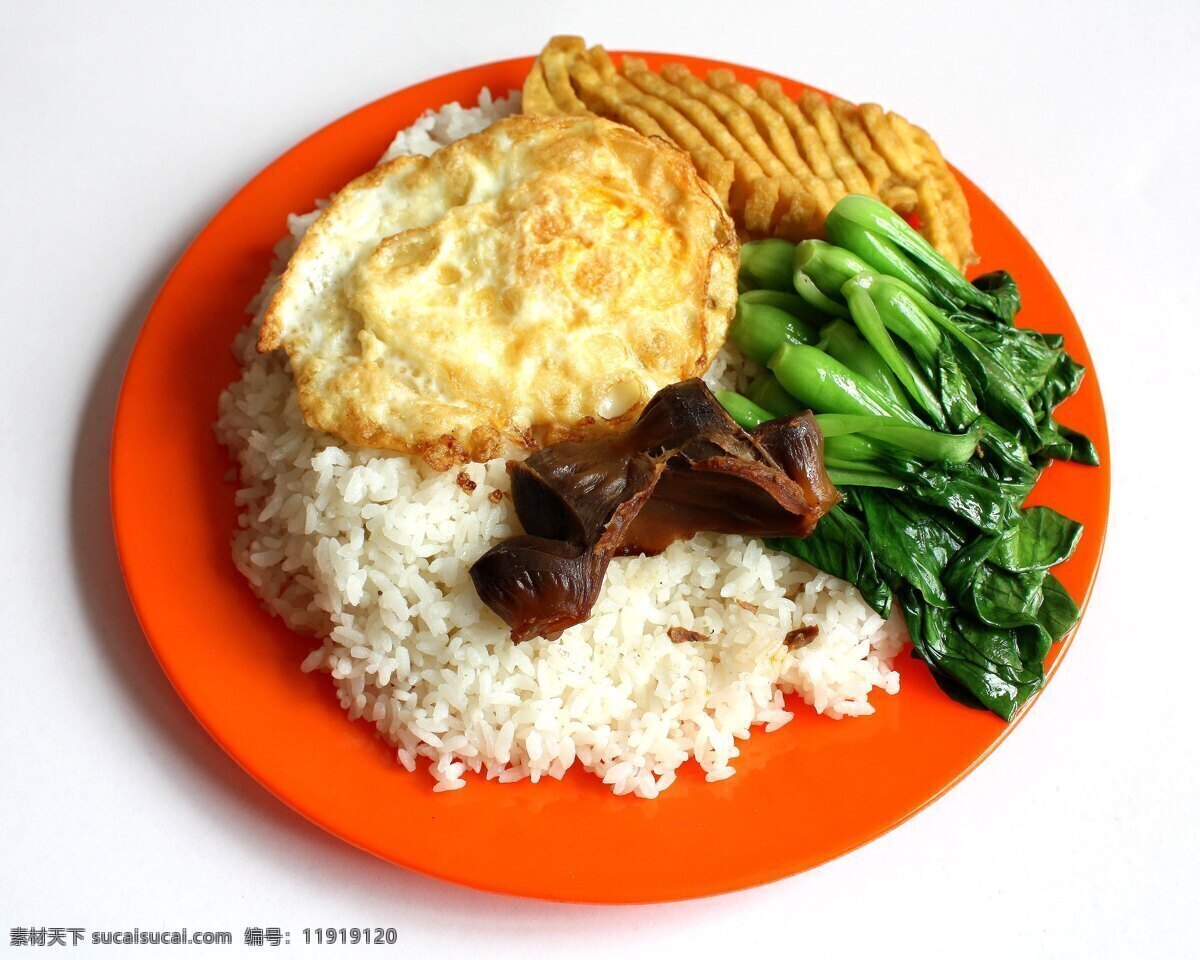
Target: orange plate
238,668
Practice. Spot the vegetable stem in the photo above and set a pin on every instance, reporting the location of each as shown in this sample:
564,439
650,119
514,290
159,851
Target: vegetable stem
880,236
862,477
840,340
826,386
746,413
792,303
821,270
759,329
920,442
768,263
858,294
769,394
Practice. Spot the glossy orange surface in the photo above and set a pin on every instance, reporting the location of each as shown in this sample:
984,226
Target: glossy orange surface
238,669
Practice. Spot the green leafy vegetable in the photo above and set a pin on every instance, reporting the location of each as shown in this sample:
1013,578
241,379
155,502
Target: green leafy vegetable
937,413
1004,456
997,597
995,386
988,505
1006,298
910,542
1063,443
1059,613
839,546
958,396
992,666
1041,539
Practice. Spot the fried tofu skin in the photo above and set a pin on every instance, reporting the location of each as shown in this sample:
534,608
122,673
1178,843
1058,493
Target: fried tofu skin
777,164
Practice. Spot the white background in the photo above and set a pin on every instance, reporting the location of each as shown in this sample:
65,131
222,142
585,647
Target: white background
123,127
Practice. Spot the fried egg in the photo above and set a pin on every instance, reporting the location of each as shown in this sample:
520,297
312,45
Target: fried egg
538,281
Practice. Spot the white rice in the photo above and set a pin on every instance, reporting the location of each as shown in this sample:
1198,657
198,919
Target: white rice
369,551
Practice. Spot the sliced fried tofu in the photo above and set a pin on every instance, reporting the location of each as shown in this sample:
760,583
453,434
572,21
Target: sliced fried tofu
777,164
